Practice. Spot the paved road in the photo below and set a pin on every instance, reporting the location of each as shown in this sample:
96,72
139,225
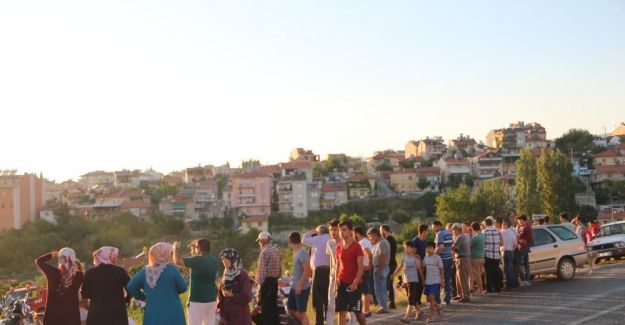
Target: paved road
588,299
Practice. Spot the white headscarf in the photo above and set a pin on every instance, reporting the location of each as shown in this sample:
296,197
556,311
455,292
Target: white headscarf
105,255
159,256
67,265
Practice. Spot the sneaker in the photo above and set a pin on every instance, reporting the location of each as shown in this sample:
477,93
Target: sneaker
381,312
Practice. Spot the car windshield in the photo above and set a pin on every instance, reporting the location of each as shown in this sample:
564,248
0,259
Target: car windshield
616,229
563,232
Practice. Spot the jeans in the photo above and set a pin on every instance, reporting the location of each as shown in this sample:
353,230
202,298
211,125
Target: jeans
269,301
380,278
508,266
447,268
524,264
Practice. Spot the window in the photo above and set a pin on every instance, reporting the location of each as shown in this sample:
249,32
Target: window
542,237
615,229
563,232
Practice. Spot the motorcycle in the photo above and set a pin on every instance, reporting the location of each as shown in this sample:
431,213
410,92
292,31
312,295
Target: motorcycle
17,312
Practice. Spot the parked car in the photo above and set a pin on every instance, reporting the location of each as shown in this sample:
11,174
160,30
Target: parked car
556,250
610,242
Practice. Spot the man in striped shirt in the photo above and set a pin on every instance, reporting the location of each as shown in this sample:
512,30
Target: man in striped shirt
443,241
269,270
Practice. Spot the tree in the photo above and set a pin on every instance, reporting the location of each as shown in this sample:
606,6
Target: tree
579,140
617,190
400,216
221,180
454,205
527,201
423,183
408,163
492,198
250,163
555,182
333,164
355,219
384,168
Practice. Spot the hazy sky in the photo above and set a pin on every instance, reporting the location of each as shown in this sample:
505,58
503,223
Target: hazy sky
90,85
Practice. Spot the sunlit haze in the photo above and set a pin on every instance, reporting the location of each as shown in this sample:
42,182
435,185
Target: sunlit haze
105,85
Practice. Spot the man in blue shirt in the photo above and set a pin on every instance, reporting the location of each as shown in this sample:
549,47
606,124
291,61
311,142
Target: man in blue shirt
443,241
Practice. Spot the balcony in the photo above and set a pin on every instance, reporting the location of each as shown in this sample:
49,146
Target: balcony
246,194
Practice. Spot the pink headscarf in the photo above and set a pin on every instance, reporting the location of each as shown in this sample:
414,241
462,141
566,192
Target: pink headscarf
68,266
159,256
105,255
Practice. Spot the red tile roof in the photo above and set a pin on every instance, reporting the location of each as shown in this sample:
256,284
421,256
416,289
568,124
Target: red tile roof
270,169
607,215
333,187
296,165
135,205
405,171
252,175
428,170
607,154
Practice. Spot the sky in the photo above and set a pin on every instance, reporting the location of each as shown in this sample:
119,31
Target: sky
105,85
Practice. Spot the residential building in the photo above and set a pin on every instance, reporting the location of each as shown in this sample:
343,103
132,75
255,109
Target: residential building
488,165
454,165
608,173
139,209
127,178
608,158
427,148
293,196
301,154
112,203
360,187
464,144
260,223
404,181
199,173
333,195
21,199
314,194
388,158
95,178
516,137
178,207
432,175
251,194
297,167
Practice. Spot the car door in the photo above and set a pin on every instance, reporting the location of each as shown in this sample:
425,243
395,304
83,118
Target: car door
544,251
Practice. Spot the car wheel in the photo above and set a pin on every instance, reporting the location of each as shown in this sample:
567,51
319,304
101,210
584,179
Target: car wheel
566,269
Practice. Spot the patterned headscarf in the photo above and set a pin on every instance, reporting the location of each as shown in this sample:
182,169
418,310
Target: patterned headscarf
231,273
68,266
105,255
159,256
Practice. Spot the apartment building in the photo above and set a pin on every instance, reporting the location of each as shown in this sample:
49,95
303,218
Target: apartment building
21,199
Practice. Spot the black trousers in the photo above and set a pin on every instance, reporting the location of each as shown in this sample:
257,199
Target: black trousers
269,301
493,275
321,282
389,285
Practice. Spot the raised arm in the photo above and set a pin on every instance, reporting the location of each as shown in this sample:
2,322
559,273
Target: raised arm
42,263
181,284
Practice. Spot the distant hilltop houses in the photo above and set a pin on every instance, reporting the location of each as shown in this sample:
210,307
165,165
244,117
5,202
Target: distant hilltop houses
302,183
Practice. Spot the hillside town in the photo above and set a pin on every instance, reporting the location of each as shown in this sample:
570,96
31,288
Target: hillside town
305,182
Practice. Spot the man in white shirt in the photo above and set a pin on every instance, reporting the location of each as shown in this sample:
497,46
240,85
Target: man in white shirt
367,288
509,237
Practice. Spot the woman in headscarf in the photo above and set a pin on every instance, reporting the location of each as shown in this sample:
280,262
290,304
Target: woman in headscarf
62,305
235,291
104,286
159,284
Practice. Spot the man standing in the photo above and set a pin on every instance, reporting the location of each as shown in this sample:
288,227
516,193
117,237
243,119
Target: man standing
477,258
300,284
269,270
331,248
204,267
381,256
525,242
492,257
420,243
462,249
509,238
443,241
317,240
350,271
566,221
367,285
386,232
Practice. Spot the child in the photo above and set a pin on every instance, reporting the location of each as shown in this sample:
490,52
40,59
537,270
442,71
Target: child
413,274
433,265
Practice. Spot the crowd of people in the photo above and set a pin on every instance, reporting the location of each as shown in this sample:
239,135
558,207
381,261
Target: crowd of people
345,270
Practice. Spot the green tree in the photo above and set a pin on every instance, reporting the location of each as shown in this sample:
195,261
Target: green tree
492,198
527,201
400,216
355,219
221,180
408,163
250,163
454,205
555,182
617,190
333,164
423,183
579,140
384,168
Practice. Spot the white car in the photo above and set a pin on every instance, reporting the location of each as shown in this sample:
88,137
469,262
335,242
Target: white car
610,242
